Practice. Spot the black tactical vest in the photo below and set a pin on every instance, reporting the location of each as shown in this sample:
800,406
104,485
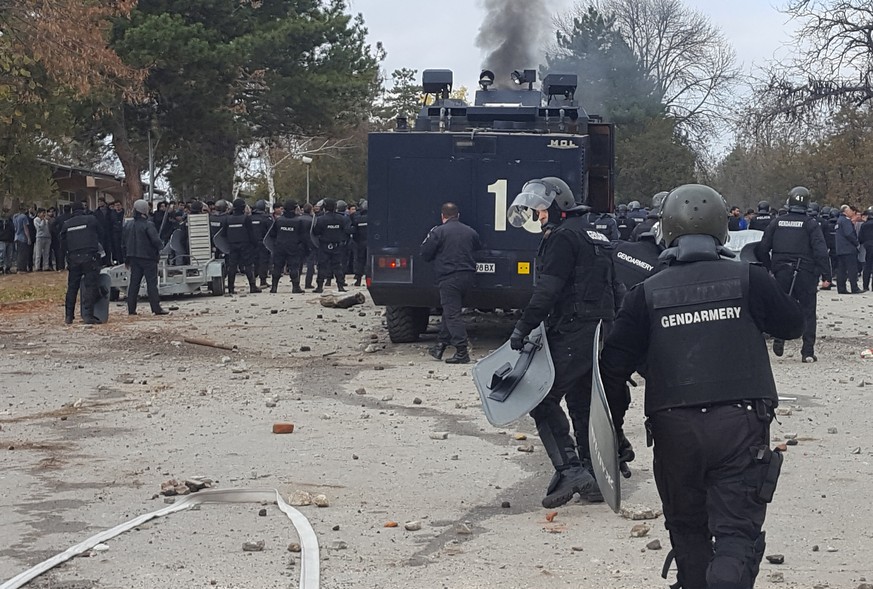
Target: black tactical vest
82,235
215,222
761,222
237,232
634,261
625,228
261,223
334,228
791,240
291,232
589,294
704,346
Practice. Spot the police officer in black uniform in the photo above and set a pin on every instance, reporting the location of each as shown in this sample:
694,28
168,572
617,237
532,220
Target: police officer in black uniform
799,257
574,290
603,223
290,234
332,230
762,218
359,235
450,246
80,237
241,238
636,215
709,420
216,222
261,223
625,226
142,248
645,226
865,239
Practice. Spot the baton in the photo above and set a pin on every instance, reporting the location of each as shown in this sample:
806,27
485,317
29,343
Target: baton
794,277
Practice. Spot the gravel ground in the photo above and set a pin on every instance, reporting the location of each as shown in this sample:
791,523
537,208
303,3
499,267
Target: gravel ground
94,418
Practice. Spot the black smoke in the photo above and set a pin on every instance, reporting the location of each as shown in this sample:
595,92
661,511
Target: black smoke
513,34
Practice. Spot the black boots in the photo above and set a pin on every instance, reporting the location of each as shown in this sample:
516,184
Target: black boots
438,350
296,289
778,346
254,289
566,483
357,281
570,476
461,356
319,288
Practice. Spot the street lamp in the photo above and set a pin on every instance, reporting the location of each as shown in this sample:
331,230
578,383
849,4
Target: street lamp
308,161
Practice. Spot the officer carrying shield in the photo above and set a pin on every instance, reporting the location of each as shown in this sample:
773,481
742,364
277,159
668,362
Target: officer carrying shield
290,233
646,224
574,290
332,230
80,238
261,223
359,235
709,421
799,257
241,237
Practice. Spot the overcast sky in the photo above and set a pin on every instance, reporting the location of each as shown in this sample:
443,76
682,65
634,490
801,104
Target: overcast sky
423,34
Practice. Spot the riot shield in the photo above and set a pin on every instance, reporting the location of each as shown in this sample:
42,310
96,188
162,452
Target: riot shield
512,383
270,240
101,303
220,241
602,439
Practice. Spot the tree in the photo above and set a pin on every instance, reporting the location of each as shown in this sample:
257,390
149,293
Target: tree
689,60
404,98
833,64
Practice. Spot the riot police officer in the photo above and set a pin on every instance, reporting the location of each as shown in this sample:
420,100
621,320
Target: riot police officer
636,214
799,257
142,248
762,218
624,225
574,290
261,223
603,223
332,230
709,421
80,238
290,234
216,222
240,234
359,235
651,218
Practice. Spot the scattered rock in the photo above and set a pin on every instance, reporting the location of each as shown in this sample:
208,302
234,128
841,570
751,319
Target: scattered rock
100,548
195,484
335,528
339,545
300,499
294,547
654,545
305,349
412,526
776,577
791,442
865,586
361,391
416,401
832,549
390,525
640,530
832,430
791,436
639,512
463,529
526,448
857,450
519,437
776,558
783,411
283,428
253,546
388,398
439,435
815,548
321,501
505,505
262,512
270,403
371,349
577,549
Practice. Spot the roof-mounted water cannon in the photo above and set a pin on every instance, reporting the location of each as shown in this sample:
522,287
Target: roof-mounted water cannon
524,77
438,82
563,85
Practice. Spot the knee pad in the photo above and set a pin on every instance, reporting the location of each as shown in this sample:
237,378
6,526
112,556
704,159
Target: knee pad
735,563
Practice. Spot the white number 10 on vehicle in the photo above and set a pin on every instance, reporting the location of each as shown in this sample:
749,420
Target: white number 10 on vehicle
498,189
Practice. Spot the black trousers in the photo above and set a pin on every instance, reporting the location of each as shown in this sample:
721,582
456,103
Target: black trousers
806,293
571,346
142,268
239,260
707,477
868,266
331,263
311,260
361,260
262,262
80,265
452,289
291,260
847,270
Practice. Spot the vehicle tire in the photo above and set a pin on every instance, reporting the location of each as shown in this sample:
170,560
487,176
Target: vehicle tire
114,294
403,323
217,286
422,318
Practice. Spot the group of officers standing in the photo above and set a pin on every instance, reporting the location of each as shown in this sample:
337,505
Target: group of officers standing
669,297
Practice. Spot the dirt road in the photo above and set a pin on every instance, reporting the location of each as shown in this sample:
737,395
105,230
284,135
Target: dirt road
95,418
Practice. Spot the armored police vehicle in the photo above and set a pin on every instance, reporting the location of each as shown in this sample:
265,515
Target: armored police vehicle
478,156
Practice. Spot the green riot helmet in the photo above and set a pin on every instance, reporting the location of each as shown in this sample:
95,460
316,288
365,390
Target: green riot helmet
540,195
658,199
798,197
341,206
692,209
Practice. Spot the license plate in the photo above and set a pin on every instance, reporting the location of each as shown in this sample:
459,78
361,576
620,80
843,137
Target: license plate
485,267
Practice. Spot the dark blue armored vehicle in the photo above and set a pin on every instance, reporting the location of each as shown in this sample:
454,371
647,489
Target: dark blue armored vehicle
478,156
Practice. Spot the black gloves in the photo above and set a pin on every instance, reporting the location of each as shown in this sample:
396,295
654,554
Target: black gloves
625,454
516,340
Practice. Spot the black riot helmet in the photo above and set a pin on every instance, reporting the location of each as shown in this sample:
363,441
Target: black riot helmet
261,205
825,211
546,194
221,205
798,197
239,205
692,209
814,207
329,205
835,212
341,206
763,206
622,209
